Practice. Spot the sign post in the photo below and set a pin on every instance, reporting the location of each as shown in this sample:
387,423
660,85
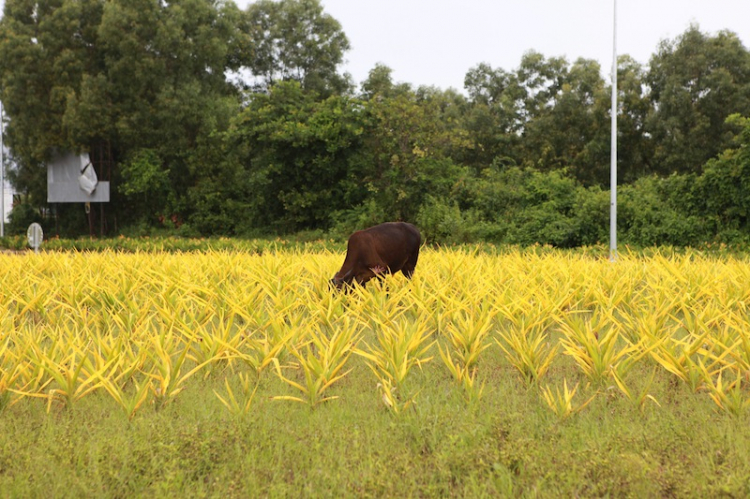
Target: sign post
613,157
2,176
35,236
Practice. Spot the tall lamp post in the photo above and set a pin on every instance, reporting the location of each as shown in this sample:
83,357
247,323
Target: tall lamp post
613,156
2,175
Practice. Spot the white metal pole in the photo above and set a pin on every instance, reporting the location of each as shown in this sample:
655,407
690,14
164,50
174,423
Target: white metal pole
2,176
613,155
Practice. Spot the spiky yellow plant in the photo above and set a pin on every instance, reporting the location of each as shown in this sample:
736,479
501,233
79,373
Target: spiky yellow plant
466,340
130,324
638,398
465,376
168,368
729,397
400,346
594,344
239,406
322,360
11,369
527,346
129,401
561,402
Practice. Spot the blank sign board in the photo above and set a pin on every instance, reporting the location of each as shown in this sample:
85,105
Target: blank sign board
71,179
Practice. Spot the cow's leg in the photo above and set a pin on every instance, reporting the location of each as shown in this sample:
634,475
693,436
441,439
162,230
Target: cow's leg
410,265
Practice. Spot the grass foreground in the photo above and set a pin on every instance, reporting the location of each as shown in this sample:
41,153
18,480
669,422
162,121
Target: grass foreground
508,445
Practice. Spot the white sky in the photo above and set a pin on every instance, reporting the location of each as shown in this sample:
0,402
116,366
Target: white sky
435,42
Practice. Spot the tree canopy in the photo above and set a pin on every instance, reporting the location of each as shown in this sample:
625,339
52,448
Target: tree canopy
237,122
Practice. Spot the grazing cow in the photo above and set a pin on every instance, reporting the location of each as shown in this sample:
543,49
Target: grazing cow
379,250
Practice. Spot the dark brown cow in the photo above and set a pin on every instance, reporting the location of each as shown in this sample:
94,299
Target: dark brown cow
383,249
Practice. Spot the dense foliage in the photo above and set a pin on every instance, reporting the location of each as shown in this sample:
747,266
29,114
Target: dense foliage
221,121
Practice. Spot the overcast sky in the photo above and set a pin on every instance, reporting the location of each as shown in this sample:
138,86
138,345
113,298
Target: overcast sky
435,42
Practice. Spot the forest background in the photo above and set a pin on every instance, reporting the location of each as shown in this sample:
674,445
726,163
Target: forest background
222,121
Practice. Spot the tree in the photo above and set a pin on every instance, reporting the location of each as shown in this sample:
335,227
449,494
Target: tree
295,150
495,119
379,83
724,187
634,149
135,75
568,126
404,156
546,115
696,82
295,40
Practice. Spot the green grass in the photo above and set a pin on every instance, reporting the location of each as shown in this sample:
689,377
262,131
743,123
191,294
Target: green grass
509,444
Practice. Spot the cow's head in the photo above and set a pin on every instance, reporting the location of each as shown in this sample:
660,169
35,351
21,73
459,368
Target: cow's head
339,280
335,283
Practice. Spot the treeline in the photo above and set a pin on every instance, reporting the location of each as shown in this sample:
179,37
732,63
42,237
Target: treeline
228,122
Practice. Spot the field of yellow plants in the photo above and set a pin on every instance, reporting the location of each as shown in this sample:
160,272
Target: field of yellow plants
141,328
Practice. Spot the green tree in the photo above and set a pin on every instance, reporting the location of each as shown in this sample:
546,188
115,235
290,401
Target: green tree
495,119
133,75
696,82
568,124
723,190
295,151
295,40
634,149
547,115
145,182
380,84
404,155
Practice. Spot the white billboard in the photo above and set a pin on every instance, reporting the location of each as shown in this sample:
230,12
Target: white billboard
71,179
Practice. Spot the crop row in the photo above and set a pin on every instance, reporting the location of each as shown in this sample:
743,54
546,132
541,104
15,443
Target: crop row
141,326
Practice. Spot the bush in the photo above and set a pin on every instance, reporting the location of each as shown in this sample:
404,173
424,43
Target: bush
647,218
443,223
365,215
20,217
592,215
543,224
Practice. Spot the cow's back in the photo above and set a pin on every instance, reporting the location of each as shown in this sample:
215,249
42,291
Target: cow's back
394,242
392,235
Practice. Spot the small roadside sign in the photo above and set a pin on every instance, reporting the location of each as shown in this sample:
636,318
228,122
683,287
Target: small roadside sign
35,236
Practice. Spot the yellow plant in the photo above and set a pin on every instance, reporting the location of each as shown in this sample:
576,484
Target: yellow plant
401,346
593,343
139,323
390,399
638,398
464,375
728,397
561,402
168,357
73,373
11,369
242,406
322,360
527,347
128,402
468,337
214,342
685,358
